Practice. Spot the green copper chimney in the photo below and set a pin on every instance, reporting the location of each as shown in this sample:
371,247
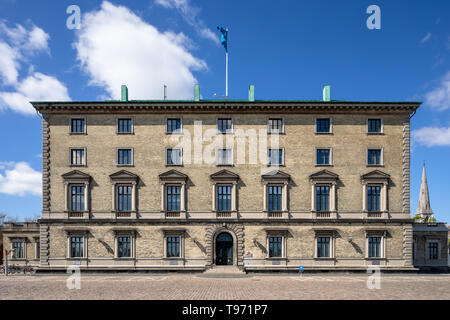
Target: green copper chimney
251,93
326,93
124,93
197,92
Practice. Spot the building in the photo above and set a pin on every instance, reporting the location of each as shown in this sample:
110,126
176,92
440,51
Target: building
121,192
24,239
430,241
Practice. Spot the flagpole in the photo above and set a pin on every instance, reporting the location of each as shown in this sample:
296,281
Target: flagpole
226,75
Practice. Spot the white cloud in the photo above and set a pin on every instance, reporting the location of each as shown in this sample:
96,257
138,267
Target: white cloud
37,39
117,47
426,38
17,44
439,98
189,14
432,136
9,64
36,87
33,40
20,180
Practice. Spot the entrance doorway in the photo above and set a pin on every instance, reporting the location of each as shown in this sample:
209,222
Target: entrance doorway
224,249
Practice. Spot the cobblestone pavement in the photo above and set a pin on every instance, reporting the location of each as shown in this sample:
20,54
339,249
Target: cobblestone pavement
223,287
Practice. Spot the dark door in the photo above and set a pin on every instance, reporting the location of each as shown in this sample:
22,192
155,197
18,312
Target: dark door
224,249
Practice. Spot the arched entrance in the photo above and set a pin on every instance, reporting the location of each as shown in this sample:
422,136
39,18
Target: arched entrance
224,249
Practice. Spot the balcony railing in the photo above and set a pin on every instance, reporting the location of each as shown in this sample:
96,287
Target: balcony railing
224,214
123,214
275,214
374,214
76,214
172,214
323,214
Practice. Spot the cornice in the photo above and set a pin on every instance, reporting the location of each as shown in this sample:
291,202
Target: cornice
224,107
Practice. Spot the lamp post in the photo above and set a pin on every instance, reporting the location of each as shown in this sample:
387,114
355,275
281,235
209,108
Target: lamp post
7,252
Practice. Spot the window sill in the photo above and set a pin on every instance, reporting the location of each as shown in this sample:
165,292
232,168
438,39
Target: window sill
174,165
372,259
323,165
279,133
124,258
124,165
374,165
77,259
77,165
323,133
125,133
78,133
324,258
276,258
375,133
173,258
224,165
170,133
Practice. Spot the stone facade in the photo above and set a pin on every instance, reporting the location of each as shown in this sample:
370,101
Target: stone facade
425,236
347,225
27,235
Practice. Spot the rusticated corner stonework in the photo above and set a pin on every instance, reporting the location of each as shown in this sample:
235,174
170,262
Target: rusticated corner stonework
45,164
406,165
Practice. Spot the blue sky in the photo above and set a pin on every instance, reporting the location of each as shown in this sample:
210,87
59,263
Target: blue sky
288,49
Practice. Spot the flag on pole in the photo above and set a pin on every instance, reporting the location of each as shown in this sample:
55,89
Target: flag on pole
223,37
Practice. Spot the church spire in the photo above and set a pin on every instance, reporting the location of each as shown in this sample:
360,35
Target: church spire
424,208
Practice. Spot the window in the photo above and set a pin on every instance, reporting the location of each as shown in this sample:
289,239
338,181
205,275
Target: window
374,157
374,247
275,125
124,247
224,157
173,246
124,193
323,157
223,198
124,157
19,249
124,125
225,125
77,125
77,198
77,247
323,125
77,157
174,157
275,246
374,126
173,125
323,247
274,197
173,198
433,250
322,198
275,157
373,198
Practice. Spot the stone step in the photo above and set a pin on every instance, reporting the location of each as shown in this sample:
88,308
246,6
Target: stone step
224,270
